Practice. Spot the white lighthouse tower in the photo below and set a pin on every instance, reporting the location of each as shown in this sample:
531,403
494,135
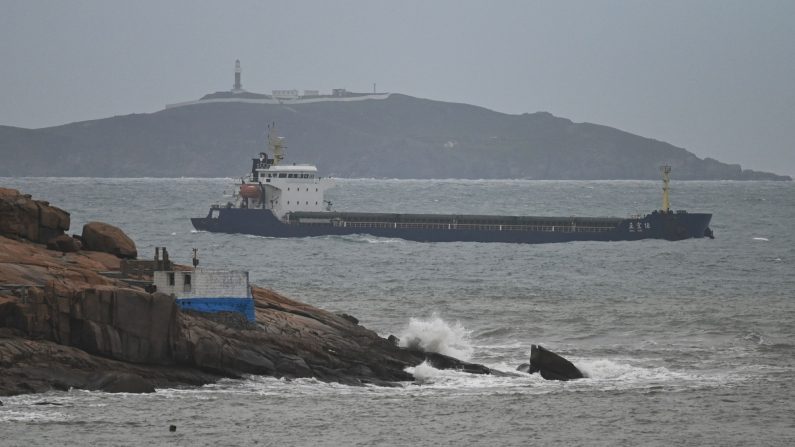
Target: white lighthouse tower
238,87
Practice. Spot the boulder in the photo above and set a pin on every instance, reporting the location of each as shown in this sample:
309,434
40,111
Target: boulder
34,220
99,236
551,365
64,243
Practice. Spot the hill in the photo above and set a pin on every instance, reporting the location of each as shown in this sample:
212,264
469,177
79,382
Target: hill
397,137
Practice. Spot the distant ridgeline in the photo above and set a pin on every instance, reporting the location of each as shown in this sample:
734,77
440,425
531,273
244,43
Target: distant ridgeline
349,135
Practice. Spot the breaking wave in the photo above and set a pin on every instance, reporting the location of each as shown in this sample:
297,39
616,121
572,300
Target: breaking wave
436,335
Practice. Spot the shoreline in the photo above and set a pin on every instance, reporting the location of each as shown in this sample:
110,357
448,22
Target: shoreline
64,325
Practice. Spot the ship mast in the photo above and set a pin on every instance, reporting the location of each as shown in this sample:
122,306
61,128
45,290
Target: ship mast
666,171
276,144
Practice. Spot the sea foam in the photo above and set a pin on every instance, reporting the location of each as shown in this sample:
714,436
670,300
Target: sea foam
436,335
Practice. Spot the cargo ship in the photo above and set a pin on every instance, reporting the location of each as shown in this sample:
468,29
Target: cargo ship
288,200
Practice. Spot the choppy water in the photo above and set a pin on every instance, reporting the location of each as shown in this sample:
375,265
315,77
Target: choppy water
685,343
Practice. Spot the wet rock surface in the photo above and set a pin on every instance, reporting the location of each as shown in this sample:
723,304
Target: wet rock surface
63,325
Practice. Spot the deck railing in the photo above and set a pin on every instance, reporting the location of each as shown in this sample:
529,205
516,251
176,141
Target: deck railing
452,226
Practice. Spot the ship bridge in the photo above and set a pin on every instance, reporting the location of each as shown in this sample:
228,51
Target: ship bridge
284,188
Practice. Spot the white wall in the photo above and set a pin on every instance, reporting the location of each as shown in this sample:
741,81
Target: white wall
205,283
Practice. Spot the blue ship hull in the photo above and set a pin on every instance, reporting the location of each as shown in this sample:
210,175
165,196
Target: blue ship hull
452,228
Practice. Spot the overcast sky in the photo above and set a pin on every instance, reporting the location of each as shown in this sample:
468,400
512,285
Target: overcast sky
715,77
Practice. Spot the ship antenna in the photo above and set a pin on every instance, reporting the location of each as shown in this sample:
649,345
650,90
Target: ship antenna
276,144
666,171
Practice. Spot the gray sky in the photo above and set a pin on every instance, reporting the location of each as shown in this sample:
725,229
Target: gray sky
715,77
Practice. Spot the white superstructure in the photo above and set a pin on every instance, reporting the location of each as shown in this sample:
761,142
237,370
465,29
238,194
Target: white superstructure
282,188
203,283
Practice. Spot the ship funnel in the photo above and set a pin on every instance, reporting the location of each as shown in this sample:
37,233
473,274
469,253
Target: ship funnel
666,171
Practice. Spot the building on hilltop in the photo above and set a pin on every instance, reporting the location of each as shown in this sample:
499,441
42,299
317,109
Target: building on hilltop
238,87
279,96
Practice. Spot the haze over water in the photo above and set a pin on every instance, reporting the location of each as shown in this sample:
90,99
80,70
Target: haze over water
685,343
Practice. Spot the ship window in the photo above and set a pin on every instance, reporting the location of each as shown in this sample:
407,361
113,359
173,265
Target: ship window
288,202
307,202
307,189
315,203
171,279
288,189
187,282
282,175
315,189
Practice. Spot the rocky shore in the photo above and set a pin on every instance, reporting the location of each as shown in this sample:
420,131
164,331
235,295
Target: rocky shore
66,323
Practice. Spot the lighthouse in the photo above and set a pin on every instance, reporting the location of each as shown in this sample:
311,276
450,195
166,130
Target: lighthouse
238,86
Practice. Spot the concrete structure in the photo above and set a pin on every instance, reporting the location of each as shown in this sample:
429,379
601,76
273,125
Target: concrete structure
207,290
296,101
238,85
284,94
291,96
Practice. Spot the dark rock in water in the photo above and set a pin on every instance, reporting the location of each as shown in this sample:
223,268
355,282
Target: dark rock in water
172,428
524,367
1,403
46,402
552,366
441,361
394,340
99,236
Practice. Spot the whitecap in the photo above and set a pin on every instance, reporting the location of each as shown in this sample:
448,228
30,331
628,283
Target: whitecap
436,335
31,416
615,374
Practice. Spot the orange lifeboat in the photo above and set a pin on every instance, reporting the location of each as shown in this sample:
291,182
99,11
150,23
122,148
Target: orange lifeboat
248,191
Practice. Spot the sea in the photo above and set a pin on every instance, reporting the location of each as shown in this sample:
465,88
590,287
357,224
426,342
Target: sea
688,343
